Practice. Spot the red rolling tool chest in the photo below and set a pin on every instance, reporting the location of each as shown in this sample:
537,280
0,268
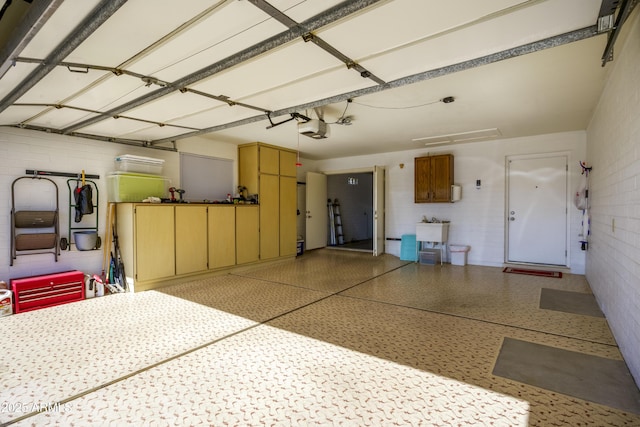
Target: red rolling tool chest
32,293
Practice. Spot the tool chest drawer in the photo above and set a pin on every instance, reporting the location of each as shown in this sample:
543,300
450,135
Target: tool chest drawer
31,293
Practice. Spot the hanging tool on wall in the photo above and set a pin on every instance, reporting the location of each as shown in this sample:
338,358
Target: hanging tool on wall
581,201
83,195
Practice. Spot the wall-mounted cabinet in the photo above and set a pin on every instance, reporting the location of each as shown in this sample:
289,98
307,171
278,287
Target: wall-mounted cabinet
270,172
433,179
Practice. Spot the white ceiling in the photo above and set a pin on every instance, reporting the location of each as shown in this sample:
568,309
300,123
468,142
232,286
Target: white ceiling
155,72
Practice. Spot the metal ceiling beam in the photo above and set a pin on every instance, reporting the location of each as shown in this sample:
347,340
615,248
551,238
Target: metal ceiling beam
38,14
533,47
97,17
625,10
267,8
327,17
115,140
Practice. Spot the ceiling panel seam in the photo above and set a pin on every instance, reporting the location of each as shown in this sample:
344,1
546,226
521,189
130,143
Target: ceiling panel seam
97,17
322,19
533,47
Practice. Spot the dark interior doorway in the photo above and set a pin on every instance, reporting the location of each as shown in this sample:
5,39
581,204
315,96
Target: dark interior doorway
354,193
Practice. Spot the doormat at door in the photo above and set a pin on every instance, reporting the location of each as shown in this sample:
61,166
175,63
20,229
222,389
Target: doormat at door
542,273
585,376
570,302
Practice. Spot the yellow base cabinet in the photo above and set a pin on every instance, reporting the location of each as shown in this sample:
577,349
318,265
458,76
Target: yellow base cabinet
247,234
146,238
222,236
191,239
162,242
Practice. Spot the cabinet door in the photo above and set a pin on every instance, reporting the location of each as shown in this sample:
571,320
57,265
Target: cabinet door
441,178
248,167
155,242
269,160
222,236
288,216
269,216
422,179
288,161
247,236
191,239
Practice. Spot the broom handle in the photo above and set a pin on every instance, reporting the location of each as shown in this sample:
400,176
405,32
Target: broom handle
107,244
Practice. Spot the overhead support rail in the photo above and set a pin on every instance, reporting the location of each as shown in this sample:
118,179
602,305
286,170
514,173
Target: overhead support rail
547,43
124,141
310,37
351,64
92,22
38,14
625,10
76,67
330,15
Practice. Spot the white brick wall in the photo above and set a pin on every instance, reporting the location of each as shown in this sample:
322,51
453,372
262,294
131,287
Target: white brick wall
613,149
478,219
21,150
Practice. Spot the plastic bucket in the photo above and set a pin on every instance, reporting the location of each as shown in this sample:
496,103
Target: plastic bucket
86,240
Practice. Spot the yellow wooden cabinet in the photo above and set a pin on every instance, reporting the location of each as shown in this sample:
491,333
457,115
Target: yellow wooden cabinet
165,241
191,239
288,161
433,178
288,215
262,168
269,159
269,216
147,240
247,235
222,236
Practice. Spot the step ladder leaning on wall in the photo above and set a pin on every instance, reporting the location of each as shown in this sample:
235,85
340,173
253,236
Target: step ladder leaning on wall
335,224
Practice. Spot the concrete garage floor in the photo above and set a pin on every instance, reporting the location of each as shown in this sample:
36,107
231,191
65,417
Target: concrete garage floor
332,337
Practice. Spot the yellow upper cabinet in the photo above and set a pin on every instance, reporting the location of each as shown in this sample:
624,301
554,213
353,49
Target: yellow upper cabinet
269,160
288,161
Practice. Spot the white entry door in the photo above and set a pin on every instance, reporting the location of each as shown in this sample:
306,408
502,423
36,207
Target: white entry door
317,211
537,209
378,210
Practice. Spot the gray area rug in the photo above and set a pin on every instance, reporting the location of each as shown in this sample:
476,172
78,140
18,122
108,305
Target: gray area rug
596,379
570,302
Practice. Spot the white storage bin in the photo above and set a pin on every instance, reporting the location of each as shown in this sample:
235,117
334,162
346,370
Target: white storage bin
458,254
429,256
139,164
